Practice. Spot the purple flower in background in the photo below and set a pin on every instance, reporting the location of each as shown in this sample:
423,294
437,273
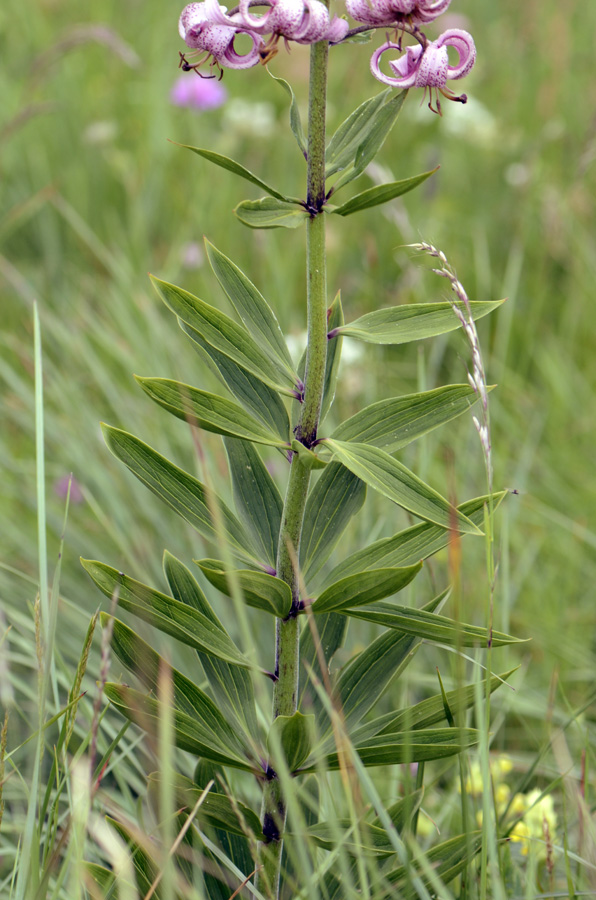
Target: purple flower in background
428,67
62,485
198,93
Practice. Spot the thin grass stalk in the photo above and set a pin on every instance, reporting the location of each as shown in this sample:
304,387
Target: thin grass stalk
166,790
28,874
285,691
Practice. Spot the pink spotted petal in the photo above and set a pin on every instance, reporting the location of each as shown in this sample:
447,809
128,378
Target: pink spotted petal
338,28
286,17
233,60
314,24
258,24
463,43
191,19
216,39
405,68
216,14
428,10
403,7
375,12
432,67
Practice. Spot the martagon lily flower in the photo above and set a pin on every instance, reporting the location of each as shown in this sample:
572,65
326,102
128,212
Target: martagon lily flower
201,29
378,13
303,21
428,67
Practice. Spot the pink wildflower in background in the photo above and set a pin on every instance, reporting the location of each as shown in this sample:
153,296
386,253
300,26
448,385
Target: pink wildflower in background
198,93
61,486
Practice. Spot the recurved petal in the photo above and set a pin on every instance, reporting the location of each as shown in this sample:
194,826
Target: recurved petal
258,24
286,17
234,60
216,14
463,43
405,68
191,18
375,12
314,24
428,10
403,7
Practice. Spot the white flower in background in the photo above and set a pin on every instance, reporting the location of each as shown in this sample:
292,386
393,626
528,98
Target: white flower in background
248,118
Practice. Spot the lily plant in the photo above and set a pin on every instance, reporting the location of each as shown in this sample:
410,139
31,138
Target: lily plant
256,779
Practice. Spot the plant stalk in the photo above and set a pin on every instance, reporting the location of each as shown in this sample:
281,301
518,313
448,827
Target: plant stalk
287,658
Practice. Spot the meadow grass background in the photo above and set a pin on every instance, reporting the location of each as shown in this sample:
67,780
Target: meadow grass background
93,196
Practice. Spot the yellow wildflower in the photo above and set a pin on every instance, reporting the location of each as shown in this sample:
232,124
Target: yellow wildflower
502,794
539,820
521,834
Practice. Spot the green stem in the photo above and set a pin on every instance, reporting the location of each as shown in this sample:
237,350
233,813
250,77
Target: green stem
285,691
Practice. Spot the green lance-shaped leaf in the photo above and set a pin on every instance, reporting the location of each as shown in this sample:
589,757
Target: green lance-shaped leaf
265,403
259,590
252,308
168,615
410,322
104,879
364,588
231,165
343,146
307,458
145,663
216,809
447,861
335,318
294,734
431,627
143,857
405,747
377,129
394,423
373,837
189,733
402,810
331,632
231,685
208,411
182,493
257,499
336,497
364,679
408,546
271,213
380,193
396,482
225,335
236,848
295,121
428,712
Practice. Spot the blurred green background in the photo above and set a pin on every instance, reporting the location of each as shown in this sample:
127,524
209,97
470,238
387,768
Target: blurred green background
94,196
